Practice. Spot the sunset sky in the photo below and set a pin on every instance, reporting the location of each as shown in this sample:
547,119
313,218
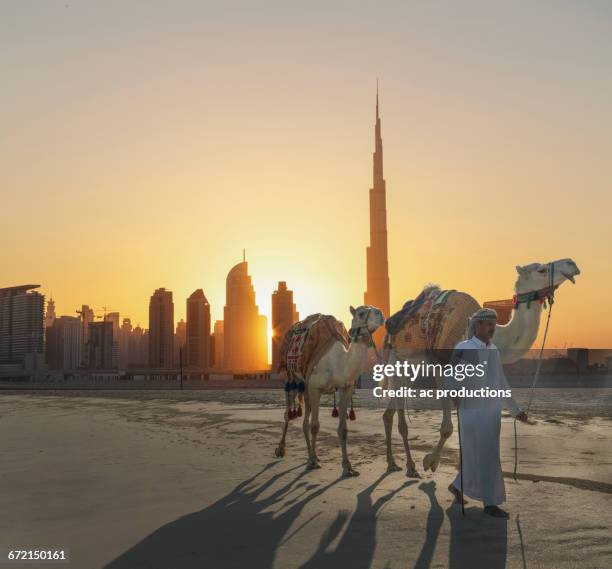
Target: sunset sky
145,143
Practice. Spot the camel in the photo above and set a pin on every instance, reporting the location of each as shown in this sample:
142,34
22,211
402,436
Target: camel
339,368
535,283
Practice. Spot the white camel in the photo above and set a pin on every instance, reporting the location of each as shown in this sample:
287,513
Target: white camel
339,368
535,282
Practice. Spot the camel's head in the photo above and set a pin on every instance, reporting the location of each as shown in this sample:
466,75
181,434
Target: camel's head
367,318
538,276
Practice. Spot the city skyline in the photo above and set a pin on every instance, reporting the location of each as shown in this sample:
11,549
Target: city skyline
148,156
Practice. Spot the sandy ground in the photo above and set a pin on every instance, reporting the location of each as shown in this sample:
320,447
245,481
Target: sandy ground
158,480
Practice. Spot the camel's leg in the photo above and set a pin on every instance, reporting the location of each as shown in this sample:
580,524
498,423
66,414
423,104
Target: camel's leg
280,449
388,422
345,395
315,399
432,460
402,427
306,425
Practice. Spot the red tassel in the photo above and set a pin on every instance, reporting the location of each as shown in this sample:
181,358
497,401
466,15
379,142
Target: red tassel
299,411
291,414
335,412
352,415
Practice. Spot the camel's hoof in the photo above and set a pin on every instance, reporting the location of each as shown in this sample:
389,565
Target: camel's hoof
392,467
349,472
430,463
412,472
279,452
313,465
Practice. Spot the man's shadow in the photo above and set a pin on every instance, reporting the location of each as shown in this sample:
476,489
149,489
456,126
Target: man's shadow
476,539
242,529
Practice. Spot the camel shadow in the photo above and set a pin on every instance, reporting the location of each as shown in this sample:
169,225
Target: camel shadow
357,544
242,529
435,520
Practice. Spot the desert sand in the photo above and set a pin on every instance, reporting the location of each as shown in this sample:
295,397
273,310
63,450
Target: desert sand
189,480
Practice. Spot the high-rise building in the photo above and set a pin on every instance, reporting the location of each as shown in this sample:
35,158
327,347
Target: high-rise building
245,345
198,331
86,315
284,315
100,346
50,314
125,335
22,326
113,317
218,342
64,344
138,347
161,329
180,337
377,292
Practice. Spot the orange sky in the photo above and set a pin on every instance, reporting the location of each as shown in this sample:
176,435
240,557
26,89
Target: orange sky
145,145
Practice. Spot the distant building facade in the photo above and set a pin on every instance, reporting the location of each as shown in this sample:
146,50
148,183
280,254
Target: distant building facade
245,345
161,329
180,337
22,327
50,313
218,343
284,315
125,335
198,331
138,347
63,349
101,353
87,317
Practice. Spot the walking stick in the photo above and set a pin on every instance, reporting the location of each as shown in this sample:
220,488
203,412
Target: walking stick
460,461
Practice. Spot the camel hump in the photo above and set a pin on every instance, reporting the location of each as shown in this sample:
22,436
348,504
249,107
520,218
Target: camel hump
435,326
307,341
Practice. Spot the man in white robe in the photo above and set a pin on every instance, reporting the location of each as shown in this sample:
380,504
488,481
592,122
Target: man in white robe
480,418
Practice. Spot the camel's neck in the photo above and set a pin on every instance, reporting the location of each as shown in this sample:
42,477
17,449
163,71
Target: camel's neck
355,360
517,337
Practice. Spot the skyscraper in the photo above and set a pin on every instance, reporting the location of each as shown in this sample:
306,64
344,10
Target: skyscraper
125,334
377,291
64,344
100,350
87,317
22,326
245,345
219,341
161,329
50,314
138,347
284,315
180,338
198,331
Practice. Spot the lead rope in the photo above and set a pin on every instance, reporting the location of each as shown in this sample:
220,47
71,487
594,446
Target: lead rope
460,461
536,376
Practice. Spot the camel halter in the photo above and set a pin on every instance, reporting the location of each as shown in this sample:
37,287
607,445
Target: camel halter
536,376
355,335
542,295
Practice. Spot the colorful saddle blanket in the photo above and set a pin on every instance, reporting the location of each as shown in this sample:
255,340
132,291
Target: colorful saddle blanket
307,341
431,325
